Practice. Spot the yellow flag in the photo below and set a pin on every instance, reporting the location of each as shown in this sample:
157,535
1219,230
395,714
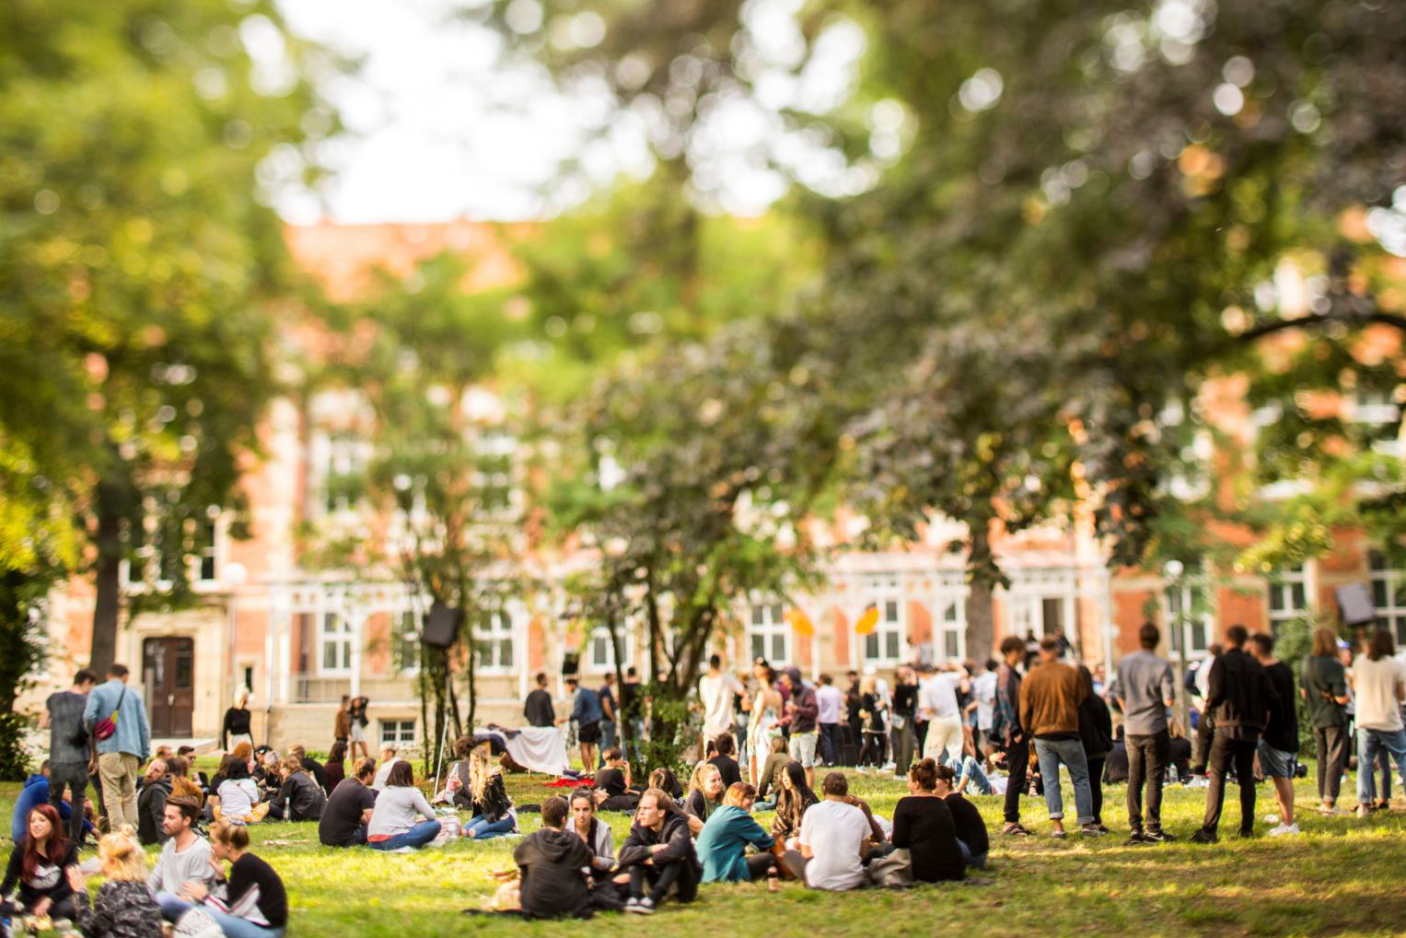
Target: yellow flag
866,622
800,622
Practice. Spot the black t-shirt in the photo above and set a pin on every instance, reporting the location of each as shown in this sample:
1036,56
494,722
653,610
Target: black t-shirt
612,780
538,708
629,700
255,887
971,829
727,768
1282,733
924,825
342,816
905,700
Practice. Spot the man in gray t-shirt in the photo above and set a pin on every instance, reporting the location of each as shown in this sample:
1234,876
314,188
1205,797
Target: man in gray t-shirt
69,749
1145,691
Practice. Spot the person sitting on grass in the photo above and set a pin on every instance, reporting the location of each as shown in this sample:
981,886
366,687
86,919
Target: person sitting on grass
335,768
299,798
183,781
252,902
724,762
665,780
38,864
493,814
791,803
722,845
551,861
270,774
769,782
393,822
237,797
612,783
971,829
834,841
705,795
595,833
311,766
923,825
658,855
185,859
124,907
348,811
151,802
388,761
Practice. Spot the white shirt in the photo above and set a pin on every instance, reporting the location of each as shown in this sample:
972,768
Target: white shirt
715,691
1376,684
834,831
937,697
984,690
237,797
828,701
383,773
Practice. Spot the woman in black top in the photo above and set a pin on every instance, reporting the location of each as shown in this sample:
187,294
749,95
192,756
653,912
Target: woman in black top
971,829
493,814
236,725
1096,733
905,708
871,711
923,823
38,865
299,798
253,896
791,803
727,765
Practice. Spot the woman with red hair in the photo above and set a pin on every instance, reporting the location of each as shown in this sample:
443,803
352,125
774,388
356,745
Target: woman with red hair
37,865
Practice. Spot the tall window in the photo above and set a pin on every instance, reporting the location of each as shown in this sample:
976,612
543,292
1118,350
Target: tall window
952,628
1389,595
768,635
602,651
1189,617
334,640
493,640
1288,597
885,643
207,551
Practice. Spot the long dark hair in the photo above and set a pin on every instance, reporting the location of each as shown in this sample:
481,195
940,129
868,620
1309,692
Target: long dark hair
55,846
799,790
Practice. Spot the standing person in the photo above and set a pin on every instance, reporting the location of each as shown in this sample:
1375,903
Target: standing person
715,692
937,702
632,711
1096,734
341,724
1205,721
124,907
185,859
116,718
586,711
252,902
235,728
829,701
393,821
905,707
38,866
766,719
723,841
348,811
357,720
923,825
538,709
1279,745
854,720
1325,690
1146,691
658,854
609,714
1239,698
802,714
834,841
984,694
1379,685
550,861
69,748
1006,727
1049,708
871,750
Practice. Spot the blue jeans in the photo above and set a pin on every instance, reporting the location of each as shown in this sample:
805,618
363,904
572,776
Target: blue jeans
172,906
1069,752
1369,744
607,739
975,776
483,829
972,862
240,927
417,837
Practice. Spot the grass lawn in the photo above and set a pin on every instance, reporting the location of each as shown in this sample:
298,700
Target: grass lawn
1342,877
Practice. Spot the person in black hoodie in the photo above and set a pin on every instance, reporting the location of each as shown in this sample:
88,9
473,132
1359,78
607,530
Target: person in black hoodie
151,804
1096,732
299,798
659,854
1239,699
551,861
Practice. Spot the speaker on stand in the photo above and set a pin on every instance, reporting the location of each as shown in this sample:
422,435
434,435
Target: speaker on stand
442,623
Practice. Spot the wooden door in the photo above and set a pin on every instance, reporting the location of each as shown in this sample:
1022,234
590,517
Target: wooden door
168,676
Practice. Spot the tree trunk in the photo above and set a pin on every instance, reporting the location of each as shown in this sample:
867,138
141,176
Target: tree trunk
107,605
981,619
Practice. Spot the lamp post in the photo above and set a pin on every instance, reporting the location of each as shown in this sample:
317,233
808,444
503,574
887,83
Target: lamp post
1172,572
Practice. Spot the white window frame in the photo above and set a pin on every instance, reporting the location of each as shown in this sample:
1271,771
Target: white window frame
210,551
343,637
601,633
951,624
767,621
893,620
1392,612
1179,597
500,628
397,732
405,624
1281,584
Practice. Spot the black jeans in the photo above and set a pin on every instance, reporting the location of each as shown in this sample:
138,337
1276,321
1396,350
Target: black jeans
1205,733
759,863
1018,765
1333,743
1224,752
660,878
75,776
1096,786
1147,761
827,742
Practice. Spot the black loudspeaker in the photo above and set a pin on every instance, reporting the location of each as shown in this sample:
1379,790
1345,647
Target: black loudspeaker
441,622
570,663
1355,604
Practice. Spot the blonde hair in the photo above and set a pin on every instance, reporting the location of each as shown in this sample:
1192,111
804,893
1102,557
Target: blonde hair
481,772
695,782
1325,642
232,834
121,857
291,764
869,684
737,793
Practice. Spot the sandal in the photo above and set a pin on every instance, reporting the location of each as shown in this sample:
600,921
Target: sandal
1017,830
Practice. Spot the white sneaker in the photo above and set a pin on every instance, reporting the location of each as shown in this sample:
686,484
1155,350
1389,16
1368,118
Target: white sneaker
1271,819
890,766
1363,811
1285,829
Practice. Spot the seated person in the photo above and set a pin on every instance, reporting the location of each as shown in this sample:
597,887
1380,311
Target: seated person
551,861
456,780
595,833
252,902
300,798
34,793
665,780
388,761
923,825
188,753
271,779
348,811
183,780
493,814
612,783
705,795
724,761
722,845
1115,764
335,769
238,794
393,822
658,855
834,841
314,768
39,864
123,907
770,780
151,803
971,829
791,803
973,777
184,860
1179,750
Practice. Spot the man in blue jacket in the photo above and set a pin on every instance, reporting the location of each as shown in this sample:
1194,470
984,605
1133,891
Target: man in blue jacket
123,751
587,712
34,793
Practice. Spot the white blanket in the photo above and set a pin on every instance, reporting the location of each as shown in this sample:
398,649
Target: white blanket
539,748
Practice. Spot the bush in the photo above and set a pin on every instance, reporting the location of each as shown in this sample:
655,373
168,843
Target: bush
14,761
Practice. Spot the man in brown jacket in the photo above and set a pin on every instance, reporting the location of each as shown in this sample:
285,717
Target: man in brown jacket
1049,711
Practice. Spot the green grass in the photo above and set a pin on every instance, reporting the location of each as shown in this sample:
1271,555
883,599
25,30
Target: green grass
1342,877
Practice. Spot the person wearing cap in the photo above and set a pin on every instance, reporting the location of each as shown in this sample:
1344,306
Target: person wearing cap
803,712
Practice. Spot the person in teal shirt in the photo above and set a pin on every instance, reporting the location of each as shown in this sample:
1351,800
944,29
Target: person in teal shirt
724,839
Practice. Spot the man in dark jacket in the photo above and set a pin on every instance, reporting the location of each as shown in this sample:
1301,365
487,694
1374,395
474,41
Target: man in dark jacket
1005,726
151,804
538,707
1239,698
803,713
659,854
551,861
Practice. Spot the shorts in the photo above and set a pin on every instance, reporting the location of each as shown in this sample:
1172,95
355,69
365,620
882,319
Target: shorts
588,733
1276,764
358,732
802,748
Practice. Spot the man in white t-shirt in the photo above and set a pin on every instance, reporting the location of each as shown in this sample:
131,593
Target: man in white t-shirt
937,703
984,693
834,841
1379,686
715,692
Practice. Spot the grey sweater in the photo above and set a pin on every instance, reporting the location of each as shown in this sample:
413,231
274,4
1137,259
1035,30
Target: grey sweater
176,868
397,810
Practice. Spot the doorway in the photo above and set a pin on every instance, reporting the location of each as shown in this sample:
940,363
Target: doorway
168,676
